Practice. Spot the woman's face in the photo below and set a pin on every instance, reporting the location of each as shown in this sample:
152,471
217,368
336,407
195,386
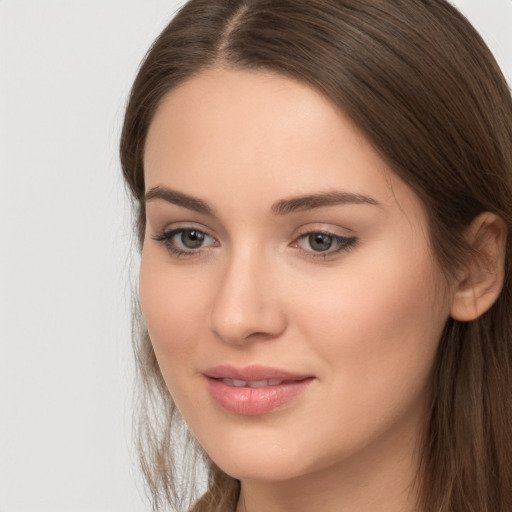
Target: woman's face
286,281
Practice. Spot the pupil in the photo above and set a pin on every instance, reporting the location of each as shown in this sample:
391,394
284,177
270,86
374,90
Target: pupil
320,242
192,239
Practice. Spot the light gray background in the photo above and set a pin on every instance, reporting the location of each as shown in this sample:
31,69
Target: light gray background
65,356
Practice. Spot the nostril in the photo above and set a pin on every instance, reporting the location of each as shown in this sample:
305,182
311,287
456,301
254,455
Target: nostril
255,326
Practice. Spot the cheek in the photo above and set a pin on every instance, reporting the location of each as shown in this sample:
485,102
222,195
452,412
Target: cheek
378,332
379,329
172,310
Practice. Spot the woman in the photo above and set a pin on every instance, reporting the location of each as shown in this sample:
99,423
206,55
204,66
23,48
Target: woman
324,193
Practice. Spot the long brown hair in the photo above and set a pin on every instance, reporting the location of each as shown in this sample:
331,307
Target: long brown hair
421,84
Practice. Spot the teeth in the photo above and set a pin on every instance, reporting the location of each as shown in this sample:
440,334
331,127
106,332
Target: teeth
258,383
251,383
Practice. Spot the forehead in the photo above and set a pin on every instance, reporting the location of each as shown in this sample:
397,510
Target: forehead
258,137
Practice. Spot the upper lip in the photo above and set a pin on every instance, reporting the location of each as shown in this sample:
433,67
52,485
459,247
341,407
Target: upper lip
253,373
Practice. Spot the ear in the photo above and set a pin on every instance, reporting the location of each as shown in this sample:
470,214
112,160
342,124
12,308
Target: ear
481,280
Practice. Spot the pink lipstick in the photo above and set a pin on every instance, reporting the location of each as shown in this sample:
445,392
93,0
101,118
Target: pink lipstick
255,389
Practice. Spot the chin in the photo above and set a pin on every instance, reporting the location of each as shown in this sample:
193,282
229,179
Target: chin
267,470
260,461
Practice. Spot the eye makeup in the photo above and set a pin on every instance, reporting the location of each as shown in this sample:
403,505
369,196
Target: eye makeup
192,242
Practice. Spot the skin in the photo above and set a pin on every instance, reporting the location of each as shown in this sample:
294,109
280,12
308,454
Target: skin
364,321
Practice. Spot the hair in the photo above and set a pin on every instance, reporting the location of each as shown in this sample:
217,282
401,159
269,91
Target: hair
420,83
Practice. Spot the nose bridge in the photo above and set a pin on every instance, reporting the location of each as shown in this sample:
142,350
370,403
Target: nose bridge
246,304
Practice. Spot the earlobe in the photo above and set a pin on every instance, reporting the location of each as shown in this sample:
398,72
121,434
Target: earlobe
482,278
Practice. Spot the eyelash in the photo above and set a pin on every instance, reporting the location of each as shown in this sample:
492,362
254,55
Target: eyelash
344,243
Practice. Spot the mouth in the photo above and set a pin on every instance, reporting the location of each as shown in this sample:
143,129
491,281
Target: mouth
254,390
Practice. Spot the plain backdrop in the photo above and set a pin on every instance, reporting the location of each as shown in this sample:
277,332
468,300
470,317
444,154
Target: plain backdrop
65,243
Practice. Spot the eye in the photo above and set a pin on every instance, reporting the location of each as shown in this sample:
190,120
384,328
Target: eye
185,241
323,244
190,238
320,241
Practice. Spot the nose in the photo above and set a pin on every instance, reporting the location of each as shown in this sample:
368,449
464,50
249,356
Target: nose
246,306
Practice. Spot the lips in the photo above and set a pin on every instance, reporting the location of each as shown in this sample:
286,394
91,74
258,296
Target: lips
255,389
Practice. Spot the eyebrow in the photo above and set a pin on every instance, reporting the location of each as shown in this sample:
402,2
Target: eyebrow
310,202
179,199
282,207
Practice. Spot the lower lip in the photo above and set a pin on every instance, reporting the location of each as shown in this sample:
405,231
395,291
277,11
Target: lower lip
252,401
